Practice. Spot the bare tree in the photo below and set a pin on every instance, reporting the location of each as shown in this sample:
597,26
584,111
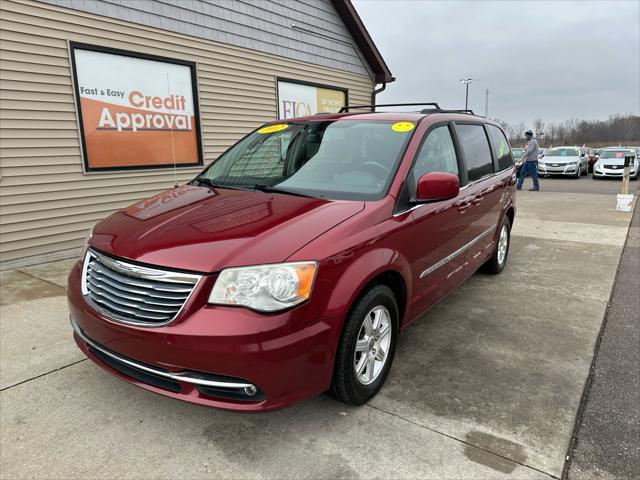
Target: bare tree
616,130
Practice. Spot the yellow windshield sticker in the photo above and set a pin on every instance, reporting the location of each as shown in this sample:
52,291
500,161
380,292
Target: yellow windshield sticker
273,128
402,127
502,149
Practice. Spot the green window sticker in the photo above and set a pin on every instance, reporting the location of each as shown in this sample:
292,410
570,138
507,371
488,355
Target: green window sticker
502,148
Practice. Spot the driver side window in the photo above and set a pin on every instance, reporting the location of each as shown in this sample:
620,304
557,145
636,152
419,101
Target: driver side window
437,154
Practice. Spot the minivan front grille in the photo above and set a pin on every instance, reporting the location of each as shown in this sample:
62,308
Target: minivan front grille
134,294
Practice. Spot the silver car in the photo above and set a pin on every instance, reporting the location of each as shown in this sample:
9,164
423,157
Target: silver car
611,163
570,161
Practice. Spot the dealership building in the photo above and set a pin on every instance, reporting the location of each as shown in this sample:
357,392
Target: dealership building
106,102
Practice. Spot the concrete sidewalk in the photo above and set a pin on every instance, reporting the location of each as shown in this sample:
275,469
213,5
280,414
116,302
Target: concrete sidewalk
607,443
486,385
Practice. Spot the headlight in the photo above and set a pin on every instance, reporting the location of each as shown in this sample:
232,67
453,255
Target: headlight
266,288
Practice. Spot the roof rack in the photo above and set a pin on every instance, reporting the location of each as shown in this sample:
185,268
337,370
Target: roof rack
435,108
441,110
346,108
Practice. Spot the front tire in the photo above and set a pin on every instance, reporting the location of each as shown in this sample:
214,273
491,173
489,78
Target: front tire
367,347
498,260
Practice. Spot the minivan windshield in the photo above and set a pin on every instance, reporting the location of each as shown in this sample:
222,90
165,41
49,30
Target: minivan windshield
340,160
562,152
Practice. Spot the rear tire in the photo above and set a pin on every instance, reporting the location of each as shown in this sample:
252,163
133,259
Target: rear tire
498,260
356,375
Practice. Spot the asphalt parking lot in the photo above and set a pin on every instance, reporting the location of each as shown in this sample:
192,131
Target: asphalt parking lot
486,385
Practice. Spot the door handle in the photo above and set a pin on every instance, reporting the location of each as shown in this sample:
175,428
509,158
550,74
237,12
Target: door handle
476,200
462,206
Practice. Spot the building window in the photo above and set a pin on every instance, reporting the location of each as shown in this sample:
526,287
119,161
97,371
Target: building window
135,111
300,99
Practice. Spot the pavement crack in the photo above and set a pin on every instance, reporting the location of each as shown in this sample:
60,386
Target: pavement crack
41,279
462,441
43,374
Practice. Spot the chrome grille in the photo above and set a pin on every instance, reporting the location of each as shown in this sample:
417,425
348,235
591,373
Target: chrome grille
134,294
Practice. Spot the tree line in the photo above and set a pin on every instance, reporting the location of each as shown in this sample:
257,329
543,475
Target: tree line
616,130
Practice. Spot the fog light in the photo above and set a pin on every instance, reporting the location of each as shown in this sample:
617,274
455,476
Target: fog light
251,391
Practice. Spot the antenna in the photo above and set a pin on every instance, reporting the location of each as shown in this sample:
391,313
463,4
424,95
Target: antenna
173,146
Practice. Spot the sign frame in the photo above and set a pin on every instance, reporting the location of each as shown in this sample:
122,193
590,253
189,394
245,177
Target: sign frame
73,46
308,84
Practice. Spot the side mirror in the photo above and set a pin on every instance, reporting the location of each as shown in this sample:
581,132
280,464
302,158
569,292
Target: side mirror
436,186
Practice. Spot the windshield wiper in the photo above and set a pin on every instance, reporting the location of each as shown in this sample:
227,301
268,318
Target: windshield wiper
271,189
210,183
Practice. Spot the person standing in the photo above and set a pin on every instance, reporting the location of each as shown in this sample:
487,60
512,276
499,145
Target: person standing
530,162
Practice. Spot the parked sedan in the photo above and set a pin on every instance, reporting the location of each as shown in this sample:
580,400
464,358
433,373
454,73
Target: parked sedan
594,158
517,153
569,161
611,163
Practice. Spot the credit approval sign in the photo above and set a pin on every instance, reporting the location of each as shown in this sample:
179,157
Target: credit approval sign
135,111
299,99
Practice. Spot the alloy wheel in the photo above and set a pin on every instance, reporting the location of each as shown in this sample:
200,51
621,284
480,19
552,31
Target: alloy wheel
503,243
372,345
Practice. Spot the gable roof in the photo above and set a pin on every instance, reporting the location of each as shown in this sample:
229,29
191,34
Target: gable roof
356,27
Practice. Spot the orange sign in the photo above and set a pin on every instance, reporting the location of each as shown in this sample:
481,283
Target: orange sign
135,112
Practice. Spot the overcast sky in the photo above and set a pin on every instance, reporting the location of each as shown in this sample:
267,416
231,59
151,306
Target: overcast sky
553,60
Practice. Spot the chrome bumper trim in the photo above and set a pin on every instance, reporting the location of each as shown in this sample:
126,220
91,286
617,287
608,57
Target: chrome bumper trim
462,249
177,376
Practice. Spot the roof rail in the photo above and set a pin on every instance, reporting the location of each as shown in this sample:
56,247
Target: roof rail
434,107
441,110
346,108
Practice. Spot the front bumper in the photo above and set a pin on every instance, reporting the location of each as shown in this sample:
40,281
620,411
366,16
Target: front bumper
558,169
210,354
601,172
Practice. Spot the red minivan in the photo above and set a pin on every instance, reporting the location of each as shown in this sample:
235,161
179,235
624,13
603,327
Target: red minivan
290,265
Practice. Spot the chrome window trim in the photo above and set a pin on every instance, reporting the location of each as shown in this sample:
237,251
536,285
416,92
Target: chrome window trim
173,277
482,179
486,177
462,249
176,376
411,209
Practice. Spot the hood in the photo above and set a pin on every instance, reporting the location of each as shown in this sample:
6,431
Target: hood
613,161
204,230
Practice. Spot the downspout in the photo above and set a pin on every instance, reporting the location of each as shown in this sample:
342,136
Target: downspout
376,92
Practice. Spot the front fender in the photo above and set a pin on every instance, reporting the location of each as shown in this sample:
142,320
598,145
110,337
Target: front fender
362,271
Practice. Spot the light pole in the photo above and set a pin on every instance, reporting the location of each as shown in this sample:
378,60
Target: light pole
466,82
486,103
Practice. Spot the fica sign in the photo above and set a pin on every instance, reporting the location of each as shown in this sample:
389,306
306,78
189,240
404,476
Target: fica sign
303,99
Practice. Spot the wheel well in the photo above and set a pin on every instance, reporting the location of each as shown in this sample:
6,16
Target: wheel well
510,215
395,282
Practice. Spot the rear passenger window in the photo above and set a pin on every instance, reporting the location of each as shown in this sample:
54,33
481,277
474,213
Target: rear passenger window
475,146
500,146
436,154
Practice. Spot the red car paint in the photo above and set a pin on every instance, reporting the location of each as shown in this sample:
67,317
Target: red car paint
289,355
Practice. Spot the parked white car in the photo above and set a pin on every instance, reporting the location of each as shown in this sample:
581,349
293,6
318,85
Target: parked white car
611,163
571,161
